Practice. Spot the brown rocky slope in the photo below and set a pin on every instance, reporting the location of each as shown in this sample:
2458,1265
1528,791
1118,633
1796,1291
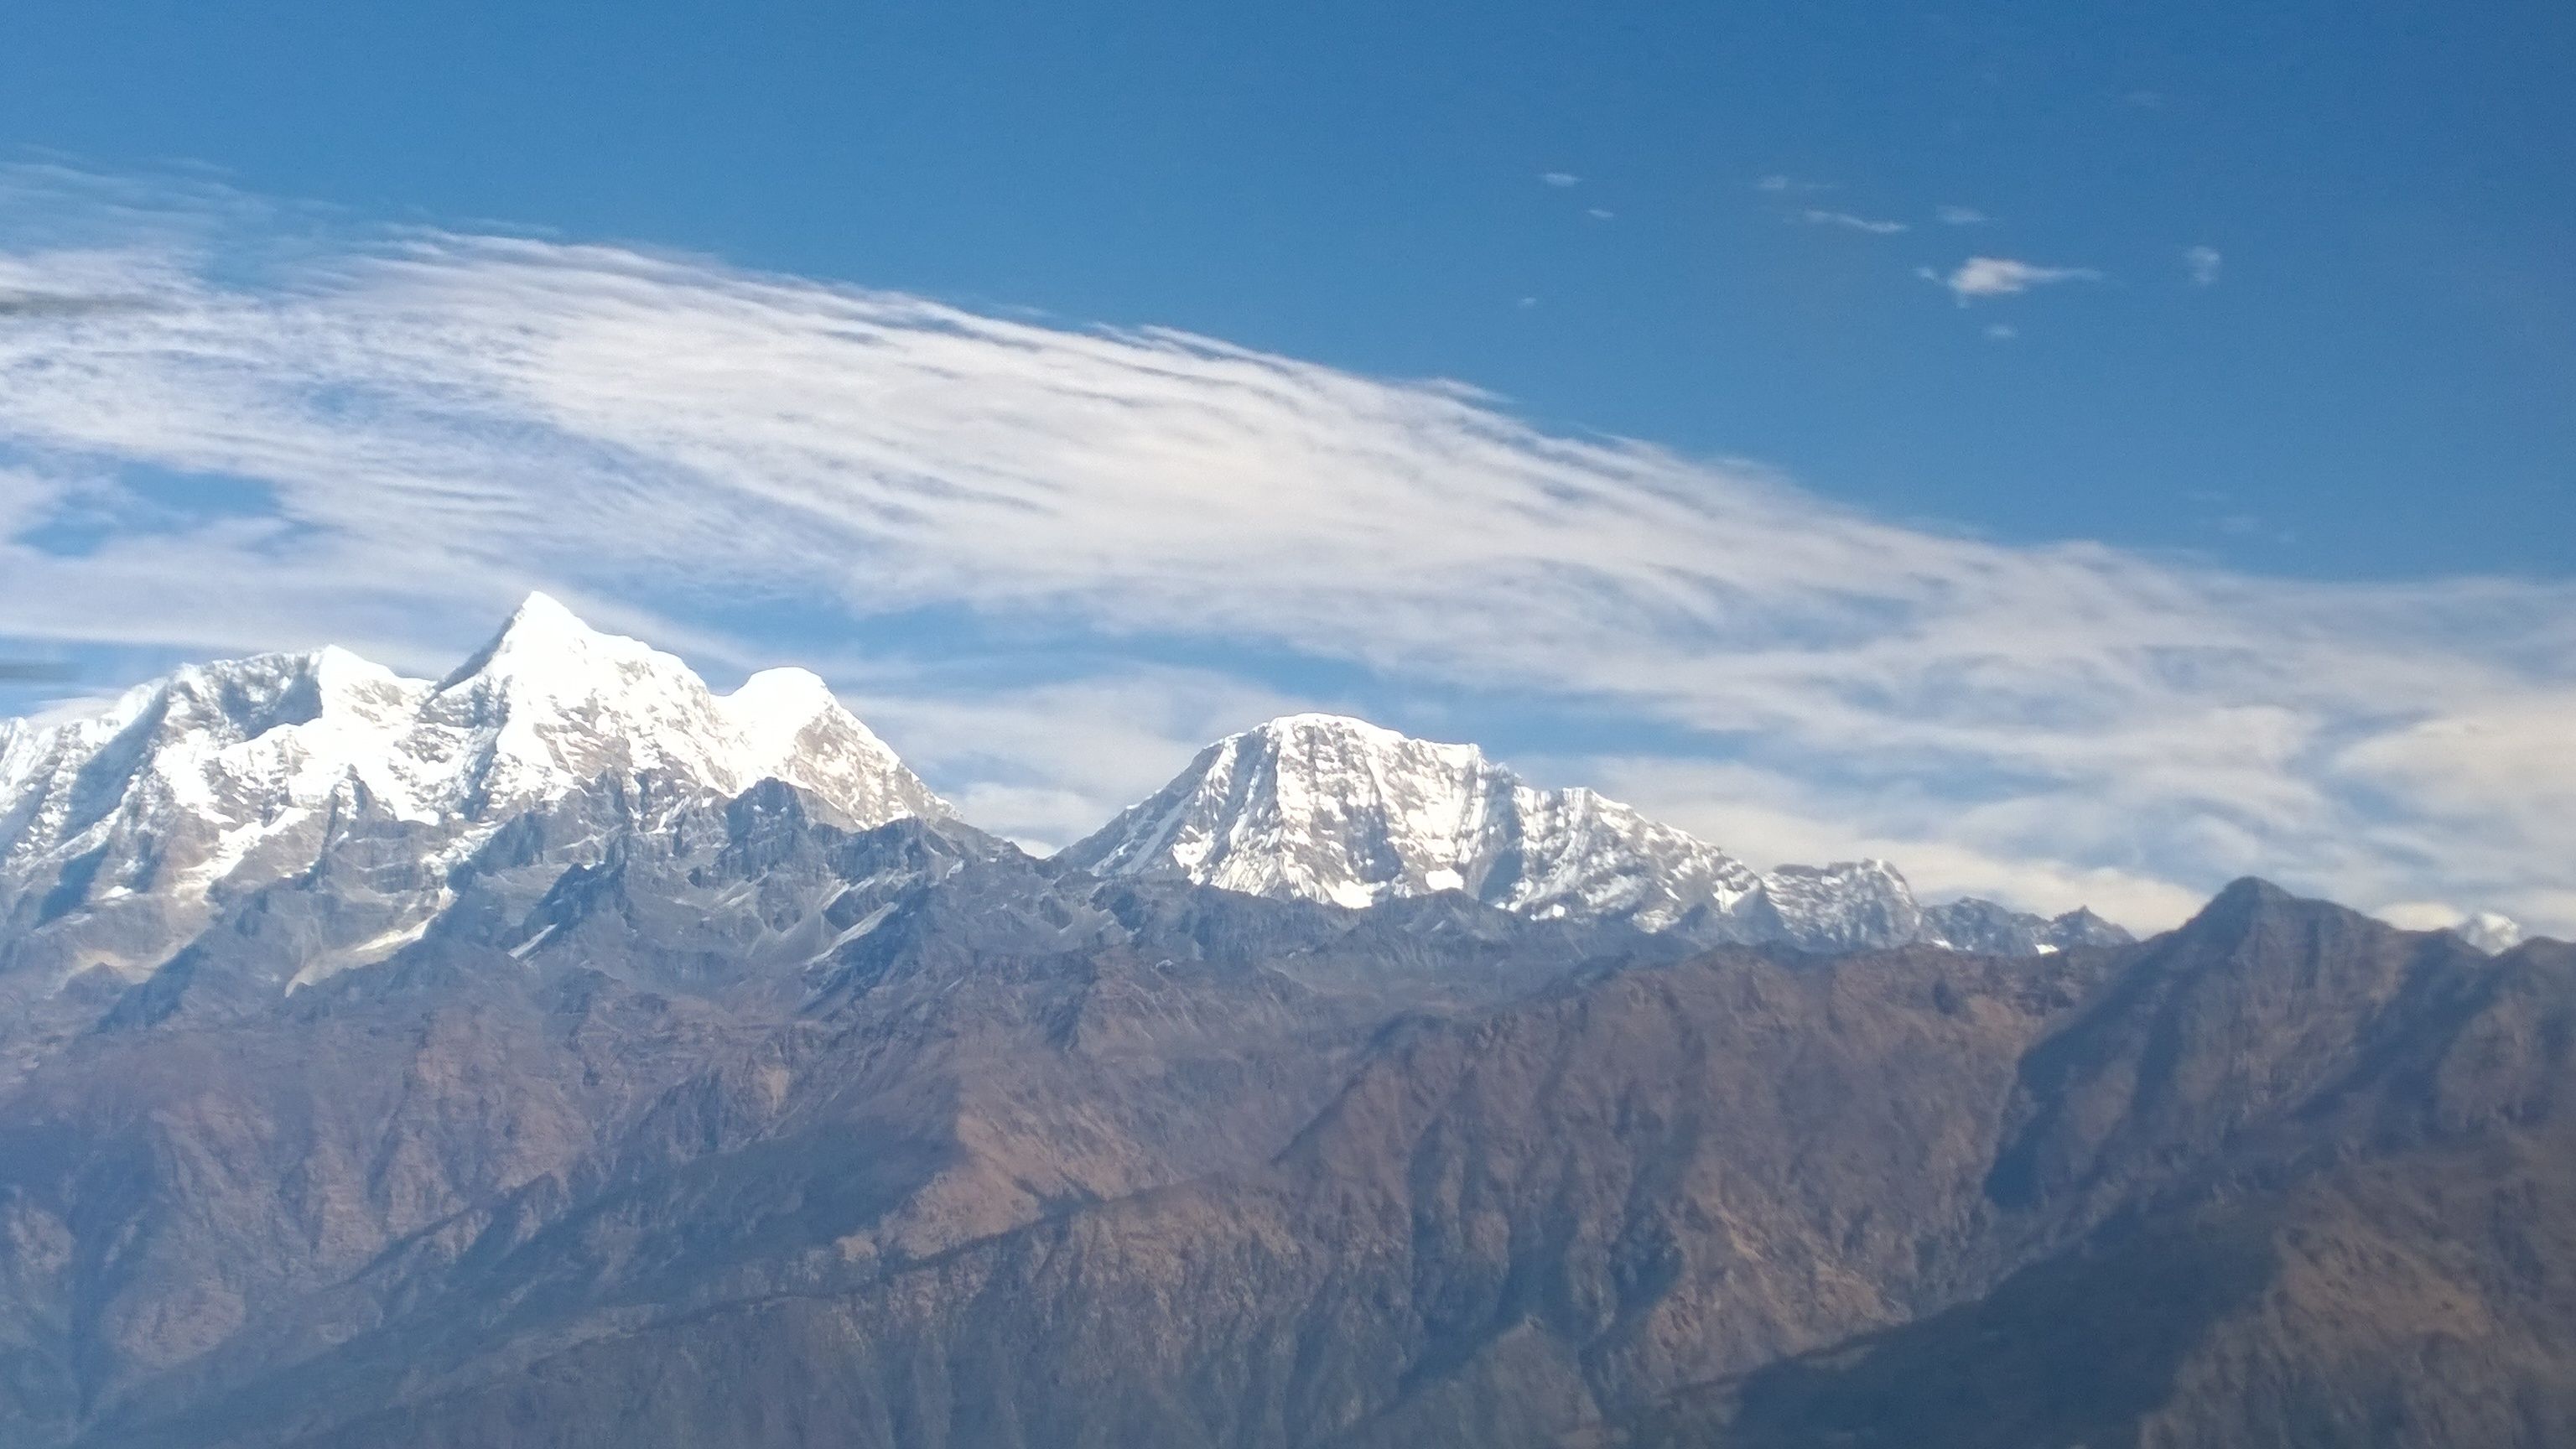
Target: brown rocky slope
1041,1161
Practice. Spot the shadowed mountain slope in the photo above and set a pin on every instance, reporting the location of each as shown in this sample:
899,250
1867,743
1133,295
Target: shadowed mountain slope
1041,1160
2394,1263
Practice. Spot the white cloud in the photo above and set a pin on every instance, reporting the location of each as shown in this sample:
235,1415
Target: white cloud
2001,332
69,707
1600,213
2203,264
1815,216
2421,915
2499,761
1980,277
1961,216
1128,541
1773,819
1560,178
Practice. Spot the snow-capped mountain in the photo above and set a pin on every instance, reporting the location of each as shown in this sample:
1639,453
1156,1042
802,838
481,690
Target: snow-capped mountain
333,809
1326,808
1320,807
121,835
1848,906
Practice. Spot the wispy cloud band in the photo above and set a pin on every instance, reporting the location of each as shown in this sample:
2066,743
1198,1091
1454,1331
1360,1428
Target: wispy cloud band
1123,526
1818,216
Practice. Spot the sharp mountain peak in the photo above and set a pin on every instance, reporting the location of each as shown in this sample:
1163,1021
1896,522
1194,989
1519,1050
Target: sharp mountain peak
248,767
122,835
1332,808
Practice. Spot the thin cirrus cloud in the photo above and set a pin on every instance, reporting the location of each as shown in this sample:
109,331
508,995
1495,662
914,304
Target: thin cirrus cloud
973,523
1818,216
1979,278
1961,216
2202,264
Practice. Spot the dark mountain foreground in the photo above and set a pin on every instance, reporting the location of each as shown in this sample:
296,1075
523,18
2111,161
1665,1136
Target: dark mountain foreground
763,1131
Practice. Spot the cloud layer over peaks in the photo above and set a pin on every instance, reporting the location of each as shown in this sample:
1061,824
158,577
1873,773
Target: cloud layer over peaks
286,426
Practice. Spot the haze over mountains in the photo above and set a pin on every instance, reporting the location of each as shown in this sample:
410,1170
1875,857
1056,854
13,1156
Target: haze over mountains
562,1054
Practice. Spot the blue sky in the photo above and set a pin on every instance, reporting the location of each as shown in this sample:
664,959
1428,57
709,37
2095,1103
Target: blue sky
2380,385
2273,339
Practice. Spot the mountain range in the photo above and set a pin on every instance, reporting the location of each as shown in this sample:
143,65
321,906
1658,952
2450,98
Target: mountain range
562,1054
125,834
